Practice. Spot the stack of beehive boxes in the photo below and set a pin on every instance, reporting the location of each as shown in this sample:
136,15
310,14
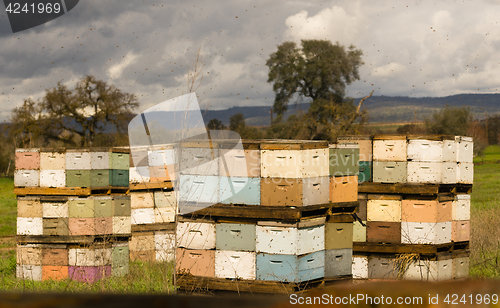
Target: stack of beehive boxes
62,234
154,203
59,168
280,176
402,211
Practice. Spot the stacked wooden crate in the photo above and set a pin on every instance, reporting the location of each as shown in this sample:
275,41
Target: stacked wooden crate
416,210
283,223
73,231
154,203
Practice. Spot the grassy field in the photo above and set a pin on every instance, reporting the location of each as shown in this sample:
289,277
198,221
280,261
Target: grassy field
490,155
8,207
485,217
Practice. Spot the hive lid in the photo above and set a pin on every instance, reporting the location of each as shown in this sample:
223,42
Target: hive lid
311,222
389,137
282,144
341,139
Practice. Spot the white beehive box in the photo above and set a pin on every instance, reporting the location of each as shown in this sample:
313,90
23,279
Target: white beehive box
164,255
52,178
29,226
99,160
235,264
292,239
81,257
199,161
461,207
465,149
280,163
162,157
122,224
102,256
294,164
196,235
450,149
78,160
198,188
426,233
164,246
428,270
390,150
142,216
422,150
465,173
139,175
360,267
55,209
384,210
423,172
29,272
165,214
27,178
164,240
449,173
164,199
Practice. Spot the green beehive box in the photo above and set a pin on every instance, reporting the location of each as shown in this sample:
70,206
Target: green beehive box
118,178
119,161
233,236
56,226
100,178
103,206
81,208
365,171
78,178
344,159
121,206
119,260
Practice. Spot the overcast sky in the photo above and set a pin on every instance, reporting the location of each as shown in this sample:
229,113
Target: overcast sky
411,48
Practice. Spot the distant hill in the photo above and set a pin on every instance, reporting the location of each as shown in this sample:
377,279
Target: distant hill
380,109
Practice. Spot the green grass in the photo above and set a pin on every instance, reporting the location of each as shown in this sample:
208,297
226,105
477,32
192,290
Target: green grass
490,155
486,189
8,207
143,278
485,216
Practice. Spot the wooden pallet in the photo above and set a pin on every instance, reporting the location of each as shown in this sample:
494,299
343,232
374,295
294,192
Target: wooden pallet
273,212
165,226
151,186
189,283
69,191
412,189
408,248
70,239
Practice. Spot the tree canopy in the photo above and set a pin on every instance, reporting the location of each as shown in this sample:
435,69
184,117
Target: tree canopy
317,70
75,117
